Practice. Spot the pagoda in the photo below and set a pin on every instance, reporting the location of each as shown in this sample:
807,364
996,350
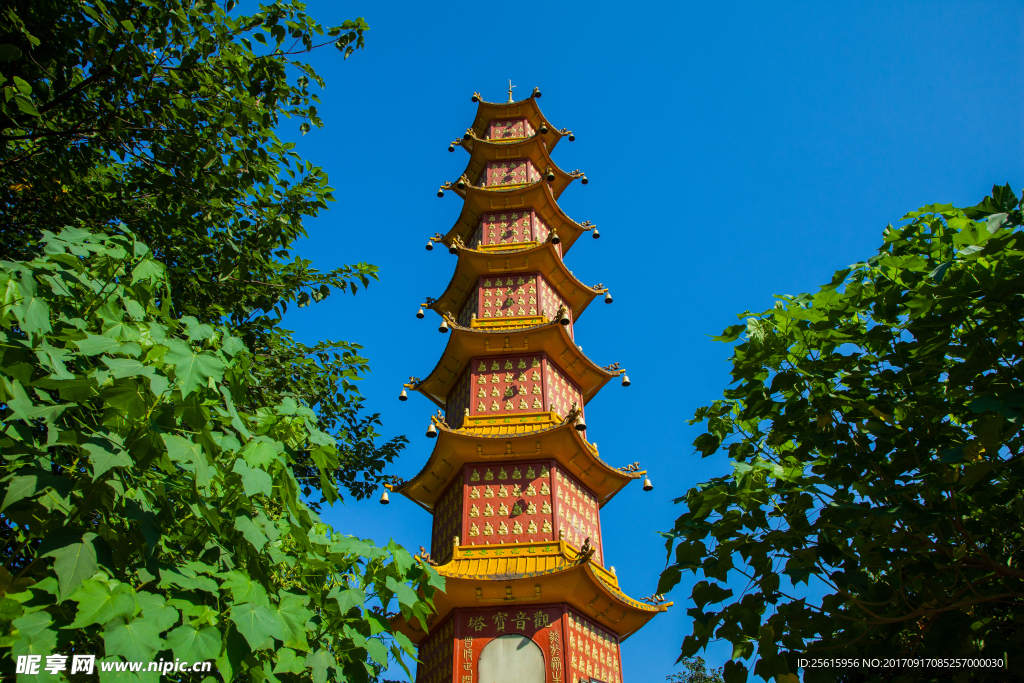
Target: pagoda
513,484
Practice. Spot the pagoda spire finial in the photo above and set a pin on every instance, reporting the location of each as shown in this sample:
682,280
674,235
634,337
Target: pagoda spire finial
510,86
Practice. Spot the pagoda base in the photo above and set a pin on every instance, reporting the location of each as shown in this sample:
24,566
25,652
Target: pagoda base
549,642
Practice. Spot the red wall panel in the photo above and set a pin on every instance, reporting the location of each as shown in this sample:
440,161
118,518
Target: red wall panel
508,503
503,129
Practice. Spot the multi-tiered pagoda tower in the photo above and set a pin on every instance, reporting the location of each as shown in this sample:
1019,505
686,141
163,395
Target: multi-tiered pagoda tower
513,485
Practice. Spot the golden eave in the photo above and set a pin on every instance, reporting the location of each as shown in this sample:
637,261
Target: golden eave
543,258
524,109
522,574
536,196
562,443
532,148
553,339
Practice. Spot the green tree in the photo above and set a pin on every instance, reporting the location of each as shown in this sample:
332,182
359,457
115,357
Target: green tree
148,513
159,428
696,672
874,433
163,117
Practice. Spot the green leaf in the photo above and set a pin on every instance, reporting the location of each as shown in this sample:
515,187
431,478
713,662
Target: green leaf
258,625
23,408
74,563
254,480
293,614
20,487
9,53
262,452
250,531
406,595
104,456
349,598
137,640
93,344
320,661
704,592
289,662
99,601
191,369
192,645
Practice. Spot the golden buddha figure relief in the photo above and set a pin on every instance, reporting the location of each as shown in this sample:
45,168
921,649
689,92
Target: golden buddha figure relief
547,526
474,492
544,471
503,492
517,528
530,490
544,488
488,511
546,508
531,509
502,475
503,510
503,529
474,511
475,476
516,490
517,509
532,529
474,530
516,473
488,529
489,492
488,475
530,474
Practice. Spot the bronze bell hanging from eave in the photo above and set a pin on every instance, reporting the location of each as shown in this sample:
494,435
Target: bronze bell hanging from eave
384,497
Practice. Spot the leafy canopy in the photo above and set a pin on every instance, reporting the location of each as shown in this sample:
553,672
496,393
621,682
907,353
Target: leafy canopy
159,428
874,431
147,513
163,117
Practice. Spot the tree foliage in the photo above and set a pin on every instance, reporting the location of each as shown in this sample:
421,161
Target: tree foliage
163,117
696,672
147,512
160,430
874,431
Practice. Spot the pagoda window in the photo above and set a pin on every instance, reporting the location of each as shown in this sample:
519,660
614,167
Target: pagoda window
511,658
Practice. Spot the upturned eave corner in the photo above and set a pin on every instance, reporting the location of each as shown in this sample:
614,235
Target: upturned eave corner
529,573
536,195
543,258
456,448
551,338
533,148
527,108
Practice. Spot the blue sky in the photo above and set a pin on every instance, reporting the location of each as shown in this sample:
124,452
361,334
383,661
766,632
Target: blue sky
734,150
